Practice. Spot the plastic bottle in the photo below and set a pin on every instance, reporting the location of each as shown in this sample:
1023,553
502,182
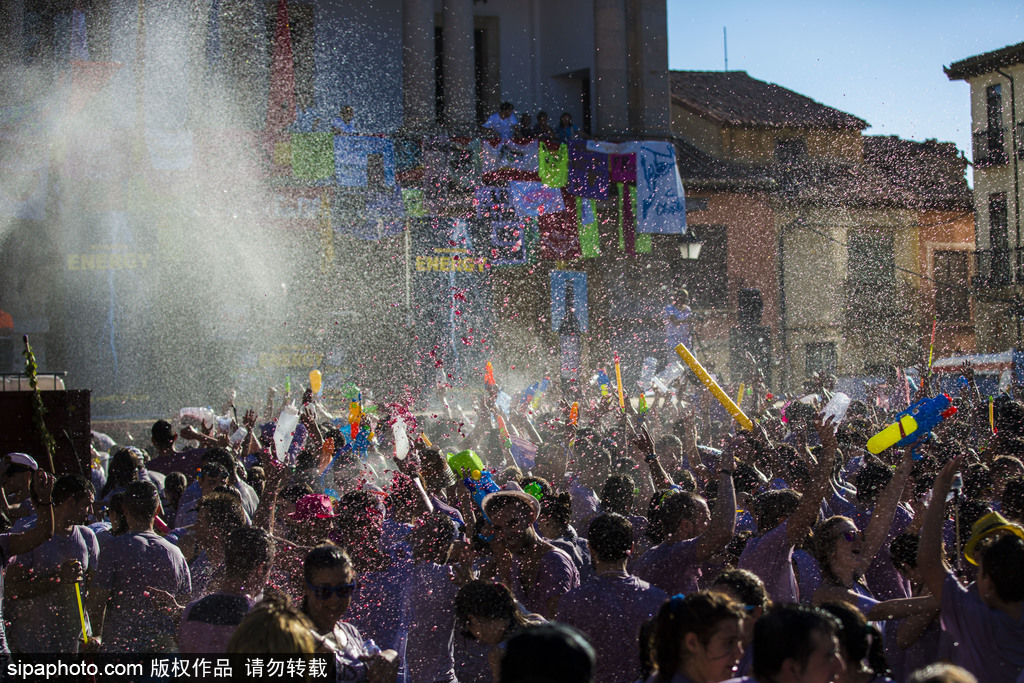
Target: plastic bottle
836,408
664,379
205,415
285,430
401,435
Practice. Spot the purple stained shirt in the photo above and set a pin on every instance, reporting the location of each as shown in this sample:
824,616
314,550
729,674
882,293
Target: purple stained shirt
921,652
609,610
672,567
808,575
128,564
556,576
771,558
988,643
884,580
429,653
380,609
50,622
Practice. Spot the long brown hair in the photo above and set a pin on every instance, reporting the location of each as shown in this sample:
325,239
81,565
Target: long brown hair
698,613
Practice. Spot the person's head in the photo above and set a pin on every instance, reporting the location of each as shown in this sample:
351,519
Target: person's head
433,539
941,672
505,110
1001,569
565,119
17,474
903,554
699,635
347,113
837,546
360,518
248,553
860,643
796,644
610,537
542,118
330,582
512,514
257,479
115,513
555,513
550,463
162,434
872,478
1008,417
748,591
273,627
619,494
141,501
289,497
217,515
72,497
123,467
175,484
548,653
772,508
487,611
1013,499
685,515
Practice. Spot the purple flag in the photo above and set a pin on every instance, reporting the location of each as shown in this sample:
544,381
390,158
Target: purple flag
588,172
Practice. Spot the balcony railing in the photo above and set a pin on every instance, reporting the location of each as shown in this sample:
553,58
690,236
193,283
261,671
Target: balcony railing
990,147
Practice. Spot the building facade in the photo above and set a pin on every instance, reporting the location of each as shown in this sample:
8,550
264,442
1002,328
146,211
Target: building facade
997,118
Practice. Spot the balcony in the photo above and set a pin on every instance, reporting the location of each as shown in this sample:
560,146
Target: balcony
995,267
990,147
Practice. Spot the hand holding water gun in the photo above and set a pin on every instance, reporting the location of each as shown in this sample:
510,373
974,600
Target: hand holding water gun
913,423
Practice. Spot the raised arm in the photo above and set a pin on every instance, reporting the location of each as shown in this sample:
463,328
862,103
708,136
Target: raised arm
42,489
806,513
930,560
882,515
723,518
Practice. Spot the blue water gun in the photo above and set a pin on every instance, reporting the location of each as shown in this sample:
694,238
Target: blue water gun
913,423
479,485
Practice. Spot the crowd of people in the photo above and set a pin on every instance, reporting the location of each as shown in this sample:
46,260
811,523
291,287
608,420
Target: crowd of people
507,124
615,545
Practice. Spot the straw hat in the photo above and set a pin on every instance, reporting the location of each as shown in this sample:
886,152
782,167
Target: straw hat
989,525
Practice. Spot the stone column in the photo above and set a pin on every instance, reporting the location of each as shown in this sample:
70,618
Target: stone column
418,92
650,105
458,65
611,75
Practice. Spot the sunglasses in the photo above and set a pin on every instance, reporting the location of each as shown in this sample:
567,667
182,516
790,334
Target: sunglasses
851,536
325,591
213,471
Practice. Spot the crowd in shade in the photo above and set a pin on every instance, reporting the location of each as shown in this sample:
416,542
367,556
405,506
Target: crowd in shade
540,541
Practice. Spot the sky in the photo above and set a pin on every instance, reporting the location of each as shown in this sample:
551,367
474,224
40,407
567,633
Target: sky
880,61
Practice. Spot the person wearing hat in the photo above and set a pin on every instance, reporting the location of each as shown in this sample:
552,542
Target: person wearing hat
537,572
15,480
312,520
987,623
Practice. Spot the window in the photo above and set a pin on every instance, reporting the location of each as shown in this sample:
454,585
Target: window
994,143
821,358
790,150
872,258
999,240
952,303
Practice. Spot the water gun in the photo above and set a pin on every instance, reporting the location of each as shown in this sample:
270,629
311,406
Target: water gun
642,408
480,484
489,375
713,387
914,422
539,394
574,414
535,490
603,381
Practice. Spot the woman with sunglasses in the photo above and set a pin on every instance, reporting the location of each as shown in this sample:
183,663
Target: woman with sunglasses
330,582
844,553
697,639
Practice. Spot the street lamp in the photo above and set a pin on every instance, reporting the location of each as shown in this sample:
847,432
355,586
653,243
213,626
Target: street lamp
690,245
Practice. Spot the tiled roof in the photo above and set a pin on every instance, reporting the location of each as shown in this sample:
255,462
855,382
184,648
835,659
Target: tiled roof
985,63
701,170
896,173
733,98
